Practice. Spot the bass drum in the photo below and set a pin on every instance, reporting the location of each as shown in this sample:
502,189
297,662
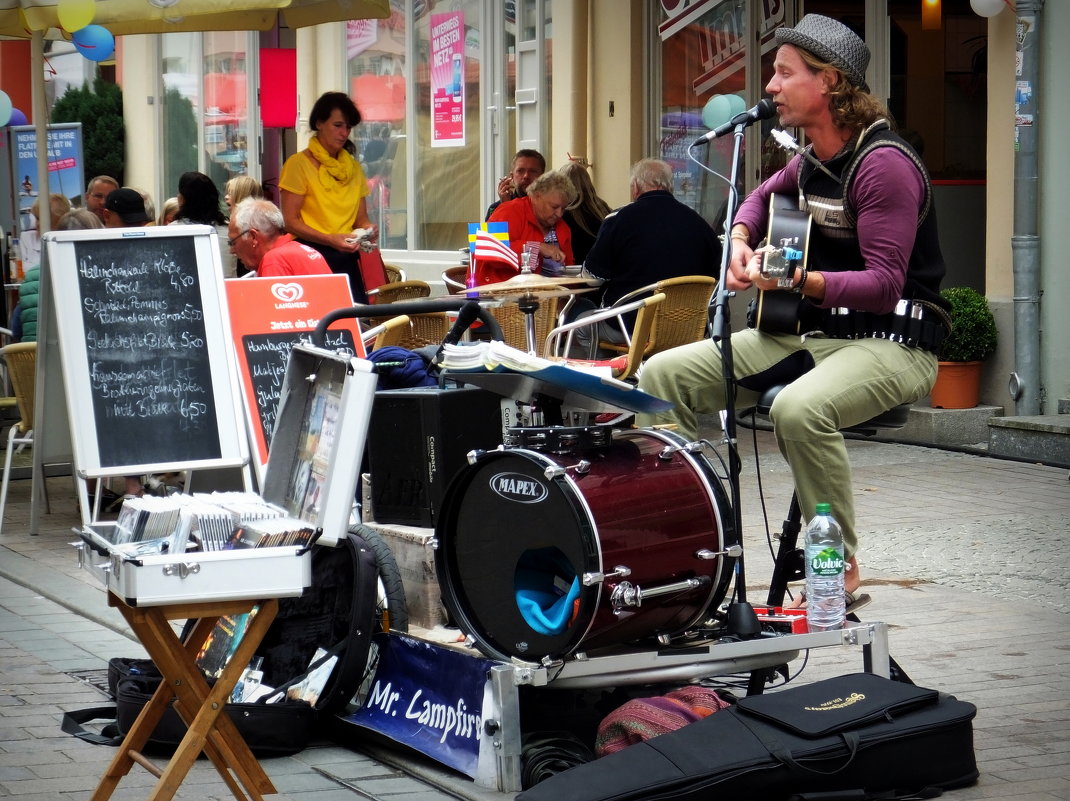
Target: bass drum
540,555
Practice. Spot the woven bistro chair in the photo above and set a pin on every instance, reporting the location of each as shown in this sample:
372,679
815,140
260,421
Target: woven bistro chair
641,336
429,328
454,278
681,319
394,293
514,324
21,361
394,274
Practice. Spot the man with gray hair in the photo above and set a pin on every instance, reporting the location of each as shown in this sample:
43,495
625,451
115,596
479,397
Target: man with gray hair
652,238
257,235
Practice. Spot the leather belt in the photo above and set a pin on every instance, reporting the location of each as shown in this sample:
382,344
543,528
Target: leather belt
916,324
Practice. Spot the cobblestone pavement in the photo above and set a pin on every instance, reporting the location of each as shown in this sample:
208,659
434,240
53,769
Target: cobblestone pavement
967,559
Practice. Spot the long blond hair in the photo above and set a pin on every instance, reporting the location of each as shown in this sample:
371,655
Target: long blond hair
588,209
240,187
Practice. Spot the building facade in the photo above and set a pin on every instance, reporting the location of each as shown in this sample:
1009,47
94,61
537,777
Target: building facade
450,89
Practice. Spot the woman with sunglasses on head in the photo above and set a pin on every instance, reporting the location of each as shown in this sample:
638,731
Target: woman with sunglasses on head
324,191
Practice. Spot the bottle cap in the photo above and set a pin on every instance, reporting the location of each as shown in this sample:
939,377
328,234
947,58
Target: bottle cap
823,509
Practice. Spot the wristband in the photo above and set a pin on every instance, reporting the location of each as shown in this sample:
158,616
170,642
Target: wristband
799,285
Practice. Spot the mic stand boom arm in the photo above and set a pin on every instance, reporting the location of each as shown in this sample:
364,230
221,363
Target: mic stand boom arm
742,619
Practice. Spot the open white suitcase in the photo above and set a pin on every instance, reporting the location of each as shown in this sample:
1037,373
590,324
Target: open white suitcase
312,471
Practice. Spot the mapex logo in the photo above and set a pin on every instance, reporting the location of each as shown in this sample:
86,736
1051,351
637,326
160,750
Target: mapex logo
287,293
518,487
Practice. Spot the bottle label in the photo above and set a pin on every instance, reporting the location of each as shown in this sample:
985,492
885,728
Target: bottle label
827,563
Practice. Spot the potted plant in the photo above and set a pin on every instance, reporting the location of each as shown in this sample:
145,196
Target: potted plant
972,340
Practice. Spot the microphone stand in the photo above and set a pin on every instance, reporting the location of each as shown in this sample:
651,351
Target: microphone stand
742,620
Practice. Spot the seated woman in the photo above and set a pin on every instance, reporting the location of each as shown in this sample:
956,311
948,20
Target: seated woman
536,217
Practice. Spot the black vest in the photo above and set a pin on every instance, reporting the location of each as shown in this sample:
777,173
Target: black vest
834,238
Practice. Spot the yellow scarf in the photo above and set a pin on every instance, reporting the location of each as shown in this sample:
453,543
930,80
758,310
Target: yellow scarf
331,169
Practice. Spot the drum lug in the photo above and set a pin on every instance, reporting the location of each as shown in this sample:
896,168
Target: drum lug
626,595
582,468
732,551
620,571
687,447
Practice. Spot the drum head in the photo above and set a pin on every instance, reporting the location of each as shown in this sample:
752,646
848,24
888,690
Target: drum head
512,548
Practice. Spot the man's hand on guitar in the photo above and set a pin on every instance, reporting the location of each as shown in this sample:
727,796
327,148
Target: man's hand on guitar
737,279
753,271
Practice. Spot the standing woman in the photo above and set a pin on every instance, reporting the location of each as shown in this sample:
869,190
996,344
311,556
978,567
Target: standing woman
324,191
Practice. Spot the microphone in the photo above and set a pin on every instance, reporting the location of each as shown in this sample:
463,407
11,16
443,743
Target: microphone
763,110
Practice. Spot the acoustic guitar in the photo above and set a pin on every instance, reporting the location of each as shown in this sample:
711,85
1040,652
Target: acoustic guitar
781,311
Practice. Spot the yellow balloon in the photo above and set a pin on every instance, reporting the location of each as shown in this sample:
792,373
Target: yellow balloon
75,14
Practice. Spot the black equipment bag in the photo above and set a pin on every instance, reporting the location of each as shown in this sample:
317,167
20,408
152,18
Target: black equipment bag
859,735
336,613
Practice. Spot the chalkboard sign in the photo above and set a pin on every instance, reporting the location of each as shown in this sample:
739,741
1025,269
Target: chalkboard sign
148,372
267,317
266,357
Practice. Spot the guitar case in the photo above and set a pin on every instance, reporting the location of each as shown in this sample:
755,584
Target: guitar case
859,735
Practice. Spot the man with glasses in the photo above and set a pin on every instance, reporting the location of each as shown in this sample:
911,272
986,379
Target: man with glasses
96,192
257,235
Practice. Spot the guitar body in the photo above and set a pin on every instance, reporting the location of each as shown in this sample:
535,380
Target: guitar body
782,311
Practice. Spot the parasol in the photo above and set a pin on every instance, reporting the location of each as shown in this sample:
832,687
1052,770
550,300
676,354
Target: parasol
36,19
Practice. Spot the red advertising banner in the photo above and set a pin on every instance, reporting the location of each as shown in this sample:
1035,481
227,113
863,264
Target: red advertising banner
447,79
267,317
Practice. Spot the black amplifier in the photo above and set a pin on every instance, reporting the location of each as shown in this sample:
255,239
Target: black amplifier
419,438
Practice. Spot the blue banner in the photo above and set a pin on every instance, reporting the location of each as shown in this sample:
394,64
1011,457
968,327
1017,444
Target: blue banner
66,169
429,698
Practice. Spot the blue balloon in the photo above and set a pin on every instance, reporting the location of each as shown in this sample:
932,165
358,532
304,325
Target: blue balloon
95,42
5,108
18,117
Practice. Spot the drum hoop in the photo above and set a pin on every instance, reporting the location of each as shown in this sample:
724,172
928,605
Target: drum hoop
714,491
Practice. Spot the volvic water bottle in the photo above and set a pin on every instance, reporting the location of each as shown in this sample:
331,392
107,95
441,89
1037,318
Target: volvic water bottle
824,572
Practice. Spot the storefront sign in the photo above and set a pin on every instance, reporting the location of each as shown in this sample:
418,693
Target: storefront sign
447,79
269,315
720,26
428,697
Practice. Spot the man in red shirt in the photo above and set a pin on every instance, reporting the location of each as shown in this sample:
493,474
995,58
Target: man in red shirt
256,235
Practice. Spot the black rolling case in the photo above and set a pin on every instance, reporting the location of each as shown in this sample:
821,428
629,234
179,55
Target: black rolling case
860,735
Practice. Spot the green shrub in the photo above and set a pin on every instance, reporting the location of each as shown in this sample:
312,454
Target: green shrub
973,328
100,110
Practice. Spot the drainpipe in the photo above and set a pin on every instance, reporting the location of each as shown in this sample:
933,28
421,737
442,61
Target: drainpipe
1025,242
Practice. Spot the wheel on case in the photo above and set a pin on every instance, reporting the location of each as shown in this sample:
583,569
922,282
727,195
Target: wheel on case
392,610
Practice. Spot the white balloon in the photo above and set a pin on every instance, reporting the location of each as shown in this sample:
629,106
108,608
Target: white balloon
987,8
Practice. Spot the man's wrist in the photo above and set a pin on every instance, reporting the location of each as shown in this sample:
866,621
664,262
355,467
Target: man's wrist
800,285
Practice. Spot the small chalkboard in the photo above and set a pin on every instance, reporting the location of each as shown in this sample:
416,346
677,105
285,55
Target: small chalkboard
266,356
148,371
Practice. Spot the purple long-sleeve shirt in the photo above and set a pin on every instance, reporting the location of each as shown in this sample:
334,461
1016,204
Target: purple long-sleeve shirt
887,194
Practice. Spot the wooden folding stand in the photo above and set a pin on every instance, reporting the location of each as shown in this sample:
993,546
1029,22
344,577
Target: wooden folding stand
199,705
